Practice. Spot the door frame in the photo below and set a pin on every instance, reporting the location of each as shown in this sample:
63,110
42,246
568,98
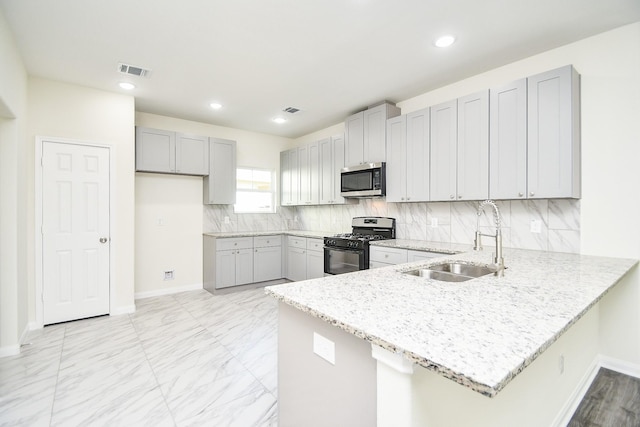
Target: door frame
39,282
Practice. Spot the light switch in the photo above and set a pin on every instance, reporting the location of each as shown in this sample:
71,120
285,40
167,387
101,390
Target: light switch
324,348
226,220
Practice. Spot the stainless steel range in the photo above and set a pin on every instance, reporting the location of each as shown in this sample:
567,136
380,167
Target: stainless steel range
344,253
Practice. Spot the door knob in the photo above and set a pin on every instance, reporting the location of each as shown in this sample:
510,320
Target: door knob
103,240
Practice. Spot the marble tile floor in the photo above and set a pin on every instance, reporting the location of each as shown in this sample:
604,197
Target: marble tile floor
187,359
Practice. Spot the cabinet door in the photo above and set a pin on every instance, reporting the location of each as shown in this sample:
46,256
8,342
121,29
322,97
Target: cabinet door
313,166
315,264
553,134
304,196
225,269
295,173
397,159
325,148
297,264
267,263
155,150
417,155
285,179
375,123
413,255
443,135
220,186
354,139
508,141
473,147
192,154
244,266
338,163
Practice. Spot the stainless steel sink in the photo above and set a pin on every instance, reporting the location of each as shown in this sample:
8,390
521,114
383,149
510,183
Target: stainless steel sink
452,272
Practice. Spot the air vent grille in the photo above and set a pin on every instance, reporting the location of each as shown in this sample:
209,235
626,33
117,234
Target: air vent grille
291,110
132,70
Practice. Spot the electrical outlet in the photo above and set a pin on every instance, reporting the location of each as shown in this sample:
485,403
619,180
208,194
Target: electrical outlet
160,221
324,348
168,275
226,220
536,226
434,222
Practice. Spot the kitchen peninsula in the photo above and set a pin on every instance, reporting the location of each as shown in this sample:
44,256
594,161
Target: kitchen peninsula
516,346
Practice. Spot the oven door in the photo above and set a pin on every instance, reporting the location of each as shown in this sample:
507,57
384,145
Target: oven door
339,260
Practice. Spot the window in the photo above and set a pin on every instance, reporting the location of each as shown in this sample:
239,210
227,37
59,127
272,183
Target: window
255,191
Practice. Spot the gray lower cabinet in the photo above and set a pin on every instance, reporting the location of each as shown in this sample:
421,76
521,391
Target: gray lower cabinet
305,258
233,262
267,258
220,186
296,258
169,152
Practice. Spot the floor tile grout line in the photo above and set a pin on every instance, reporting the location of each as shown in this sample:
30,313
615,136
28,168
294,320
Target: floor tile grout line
55,387
153,372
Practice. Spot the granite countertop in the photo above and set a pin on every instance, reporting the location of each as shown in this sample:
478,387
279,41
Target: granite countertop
480,333
299,233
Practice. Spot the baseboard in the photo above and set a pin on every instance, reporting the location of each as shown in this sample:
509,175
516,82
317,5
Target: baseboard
168,291
127,309
10,350
621,366
570,406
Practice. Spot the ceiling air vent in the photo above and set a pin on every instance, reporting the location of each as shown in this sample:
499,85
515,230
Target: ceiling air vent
291,110
132,70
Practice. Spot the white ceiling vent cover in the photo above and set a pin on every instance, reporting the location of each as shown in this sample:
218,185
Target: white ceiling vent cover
132,70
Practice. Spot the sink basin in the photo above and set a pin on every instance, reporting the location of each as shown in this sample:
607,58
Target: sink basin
452,272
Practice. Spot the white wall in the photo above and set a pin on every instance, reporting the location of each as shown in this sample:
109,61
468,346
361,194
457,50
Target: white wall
79,113
13,220
177,200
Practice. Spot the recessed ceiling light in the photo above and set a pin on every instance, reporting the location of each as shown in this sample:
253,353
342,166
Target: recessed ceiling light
279,120
127,86
215,105
444,41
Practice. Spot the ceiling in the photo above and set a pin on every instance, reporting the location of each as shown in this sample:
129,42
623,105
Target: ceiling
329,58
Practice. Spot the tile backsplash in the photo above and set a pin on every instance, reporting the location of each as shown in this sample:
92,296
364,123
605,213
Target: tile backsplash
556,222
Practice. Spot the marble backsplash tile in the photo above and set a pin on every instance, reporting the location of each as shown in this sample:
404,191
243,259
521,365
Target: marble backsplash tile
558,221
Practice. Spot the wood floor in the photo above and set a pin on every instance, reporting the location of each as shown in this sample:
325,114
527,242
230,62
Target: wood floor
613,400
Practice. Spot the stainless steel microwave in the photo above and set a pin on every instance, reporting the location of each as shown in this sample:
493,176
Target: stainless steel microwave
366,180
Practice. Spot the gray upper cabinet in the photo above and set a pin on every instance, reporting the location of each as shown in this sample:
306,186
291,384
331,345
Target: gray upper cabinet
289,177
192,154
220,186
508,141
155,150
554,134
331,162
365,134
443,134
170,152
473,147
396,159
417,155
408,157
308,164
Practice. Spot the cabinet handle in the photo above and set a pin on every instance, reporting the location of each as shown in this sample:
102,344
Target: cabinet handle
451,196
408,198
459,197
401,198
386,255
235,244
256,250
520,194
532,194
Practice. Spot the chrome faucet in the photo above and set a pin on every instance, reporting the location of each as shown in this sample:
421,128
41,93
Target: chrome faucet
498,259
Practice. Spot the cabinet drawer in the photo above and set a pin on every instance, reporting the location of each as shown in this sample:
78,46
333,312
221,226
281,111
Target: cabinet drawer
413,255
315,244
267,241
234,243
388,255
297,242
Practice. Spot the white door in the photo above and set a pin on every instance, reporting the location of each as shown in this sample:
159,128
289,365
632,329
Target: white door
75,231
